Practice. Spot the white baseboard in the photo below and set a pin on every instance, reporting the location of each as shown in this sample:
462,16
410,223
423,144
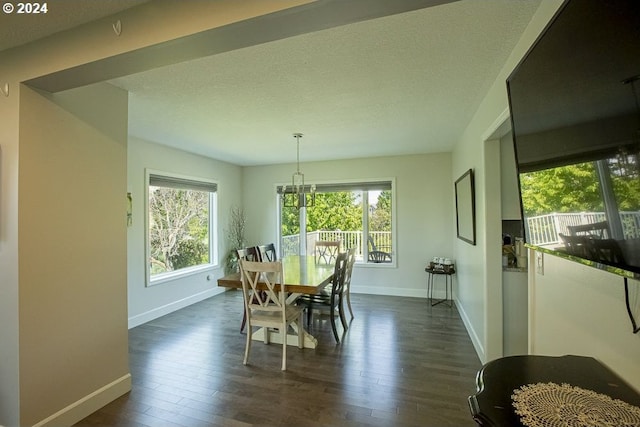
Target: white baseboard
422,293
150,315
88,404
397,292
477,344
394,292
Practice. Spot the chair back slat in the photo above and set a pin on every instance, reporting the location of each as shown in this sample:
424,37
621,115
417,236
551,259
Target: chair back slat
253,254
268,252
599,230
263,274
339,274
326,252
351,260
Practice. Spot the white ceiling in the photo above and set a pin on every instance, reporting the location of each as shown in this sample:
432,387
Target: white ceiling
18,29
401,84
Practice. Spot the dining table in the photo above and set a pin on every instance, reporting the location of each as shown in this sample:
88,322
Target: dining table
301,275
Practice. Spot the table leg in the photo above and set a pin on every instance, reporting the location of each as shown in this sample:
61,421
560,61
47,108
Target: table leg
274,335
309,341
448,283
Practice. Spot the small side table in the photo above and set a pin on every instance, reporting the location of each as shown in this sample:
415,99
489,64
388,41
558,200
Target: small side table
446,270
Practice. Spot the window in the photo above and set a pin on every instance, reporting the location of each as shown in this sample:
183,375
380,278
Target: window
180,227
359,214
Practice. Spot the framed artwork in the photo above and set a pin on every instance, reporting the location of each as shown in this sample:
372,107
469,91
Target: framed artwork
466,207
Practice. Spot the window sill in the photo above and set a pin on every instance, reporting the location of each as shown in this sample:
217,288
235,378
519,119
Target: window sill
376,264
179,274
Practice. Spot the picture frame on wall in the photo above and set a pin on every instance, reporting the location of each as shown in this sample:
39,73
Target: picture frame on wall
465,194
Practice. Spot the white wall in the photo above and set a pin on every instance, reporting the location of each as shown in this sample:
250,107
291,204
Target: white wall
510,194
9,292
24,396
72,252
479,295
149,302
421,233
425,215
573,309
576,309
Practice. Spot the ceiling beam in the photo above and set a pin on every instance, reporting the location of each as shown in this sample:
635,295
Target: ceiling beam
315,16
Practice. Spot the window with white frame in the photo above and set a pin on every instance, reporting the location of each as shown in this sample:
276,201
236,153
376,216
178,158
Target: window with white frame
359,214
181,225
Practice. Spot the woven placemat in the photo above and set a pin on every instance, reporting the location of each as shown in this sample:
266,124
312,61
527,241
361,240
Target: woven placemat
555,405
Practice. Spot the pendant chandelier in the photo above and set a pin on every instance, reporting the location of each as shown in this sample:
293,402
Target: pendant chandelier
298,195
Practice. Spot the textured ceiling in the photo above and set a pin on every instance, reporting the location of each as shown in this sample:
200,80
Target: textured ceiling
17,29
402,84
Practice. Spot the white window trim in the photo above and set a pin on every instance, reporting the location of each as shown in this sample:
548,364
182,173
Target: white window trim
213,232
394,230
394,227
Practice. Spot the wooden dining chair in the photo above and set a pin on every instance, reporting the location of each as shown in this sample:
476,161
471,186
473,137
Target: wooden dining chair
575,245
596,230
345,295
267,308
329,302
251,253
268,252
351,260
607,250
326,252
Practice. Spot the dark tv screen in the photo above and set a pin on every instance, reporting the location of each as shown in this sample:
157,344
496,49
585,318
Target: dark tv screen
575,115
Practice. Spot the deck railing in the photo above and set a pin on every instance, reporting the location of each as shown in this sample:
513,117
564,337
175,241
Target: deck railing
545,229
349,239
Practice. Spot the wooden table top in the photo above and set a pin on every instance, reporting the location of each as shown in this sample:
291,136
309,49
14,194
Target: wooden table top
301,275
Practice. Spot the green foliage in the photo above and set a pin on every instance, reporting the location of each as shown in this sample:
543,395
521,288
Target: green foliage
290,221
545,191
190,252
178,228
332,211
380,219
336,211
340,211
625,180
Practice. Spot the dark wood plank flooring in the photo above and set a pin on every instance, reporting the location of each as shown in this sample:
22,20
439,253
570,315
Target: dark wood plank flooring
400,363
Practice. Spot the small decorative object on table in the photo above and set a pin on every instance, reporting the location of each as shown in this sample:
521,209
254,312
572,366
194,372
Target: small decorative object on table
442,268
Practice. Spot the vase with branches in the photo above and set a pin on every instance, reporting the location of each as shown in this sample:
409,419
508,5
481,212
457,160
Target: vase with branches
235,237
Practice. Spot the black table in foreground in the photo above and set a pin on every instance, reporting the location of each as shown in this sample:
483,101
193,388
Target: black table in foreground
555,389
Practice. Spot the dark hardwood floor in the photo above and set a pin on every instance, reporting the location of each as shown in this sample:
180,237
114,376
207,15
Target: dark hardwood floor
400,363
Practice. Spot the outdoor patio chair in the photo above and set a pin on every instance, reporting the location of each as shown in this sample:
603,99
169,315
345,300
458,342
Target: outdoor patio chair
376,255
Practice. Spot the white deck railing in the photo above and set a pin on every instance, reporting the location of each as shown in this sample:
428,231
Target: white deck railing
545,229
349,239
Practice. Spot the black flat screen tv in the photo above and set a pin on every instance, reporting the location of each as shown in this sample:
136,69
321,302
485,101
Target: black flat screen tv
575,116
